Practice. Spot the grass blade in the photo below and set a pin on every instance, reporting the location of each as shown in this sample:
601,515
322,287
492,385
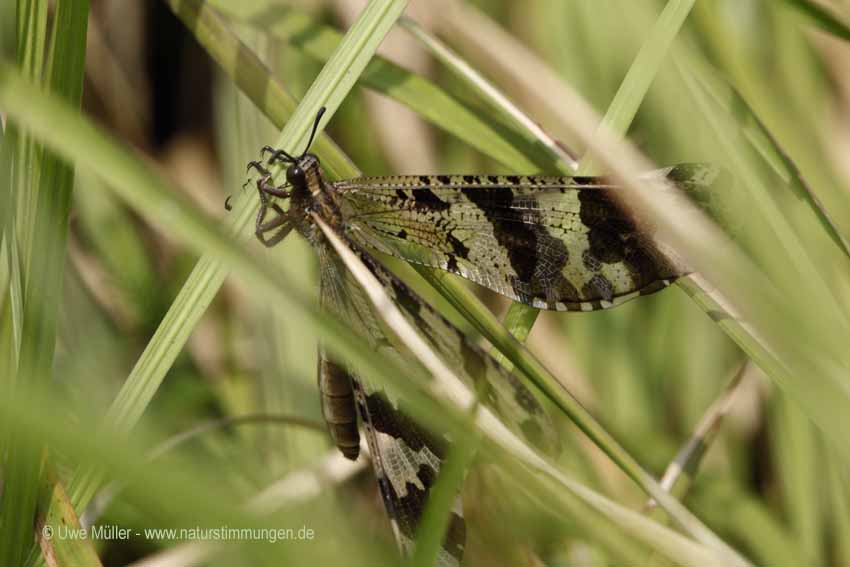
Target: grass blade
623,109
46,206
564,161
821,17
680,472
518,152
766,144
55,532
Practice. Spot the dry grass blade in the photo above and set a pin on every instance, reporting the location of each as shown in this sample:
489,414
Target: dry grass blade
490,92
681,470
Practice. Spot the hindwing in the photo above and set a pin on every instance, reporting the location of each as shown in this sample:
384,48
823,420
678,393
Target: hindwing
406,456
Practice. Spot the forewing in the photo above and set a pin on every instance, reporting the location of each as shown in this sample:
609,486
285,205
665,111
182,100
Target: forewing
551,242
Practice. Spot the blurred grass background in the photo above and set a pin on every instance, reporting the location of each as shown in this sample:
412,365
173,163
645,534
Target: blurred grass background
771,484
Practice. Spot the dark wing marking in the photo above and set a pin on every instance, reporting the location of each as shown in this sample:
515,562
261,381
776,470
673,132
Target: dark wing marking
551,242
407,457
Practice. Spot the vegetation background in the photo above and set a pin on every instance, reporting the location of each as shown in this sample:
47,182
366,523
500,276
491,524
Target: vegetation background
157,369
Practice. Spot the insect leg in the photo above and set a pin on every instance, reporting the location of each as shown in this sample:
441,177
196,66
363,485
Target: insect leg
281,234
281,219
276,155
259,167
263,227
270,189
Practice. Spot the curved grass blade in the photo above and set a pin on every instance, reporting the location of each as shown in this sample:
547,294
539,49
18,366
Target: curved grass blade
821,17
477,82
109,492
520,153
766,144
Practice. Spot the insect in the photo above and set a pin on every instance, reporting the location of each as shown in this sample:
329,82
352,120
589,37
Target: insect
560,243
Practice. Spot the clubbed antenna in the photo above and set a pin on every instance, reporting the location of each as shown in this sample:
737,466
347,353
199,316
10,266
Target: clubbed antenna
315,128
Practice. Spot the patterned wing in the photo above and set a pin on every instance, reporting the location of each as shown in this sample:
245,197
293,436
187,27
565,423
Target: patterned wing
561,243
406,456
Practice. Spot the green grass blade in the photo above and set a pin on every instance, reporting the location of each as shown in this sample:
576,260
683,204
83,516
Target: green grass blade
799,476
12,287
60,520
249,73
767,146
436,517
623,109
329,89
821,17
31,51
839,487
767,537
497,100
48,205
520,153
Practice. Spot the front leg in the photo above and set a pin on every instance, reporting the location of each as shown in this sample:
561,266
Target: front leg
267,188
286,228
263,227
281,222
264,184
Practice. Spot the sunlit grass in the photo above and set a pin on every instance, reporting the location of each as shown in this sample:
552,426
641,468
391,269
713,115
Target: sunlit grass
639,378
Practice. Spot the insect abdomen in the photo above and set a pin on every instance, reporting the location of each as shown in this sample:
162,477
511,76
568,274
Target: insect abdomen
338,408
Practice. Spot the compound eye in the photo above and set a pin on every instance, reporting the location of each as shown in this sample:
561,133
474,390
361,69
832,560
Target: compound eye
295,176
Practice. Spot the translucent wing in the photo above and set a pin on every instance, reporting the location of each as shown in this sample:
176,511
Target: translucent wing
407,457
561,243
